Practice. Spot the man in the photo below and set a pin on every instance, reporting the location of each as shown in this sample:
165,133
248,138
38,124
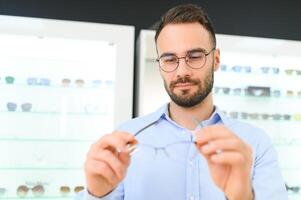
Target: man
221,158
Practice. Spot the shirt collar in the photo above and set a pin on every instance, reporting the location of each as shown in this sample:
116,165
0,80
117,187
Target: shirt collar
217,117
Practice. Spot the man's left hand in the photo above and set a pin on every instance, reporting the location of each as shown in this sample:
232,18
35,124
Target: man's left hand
229,160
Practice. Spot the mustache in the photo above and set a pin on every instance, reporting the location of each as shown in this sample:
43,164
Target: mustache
184,80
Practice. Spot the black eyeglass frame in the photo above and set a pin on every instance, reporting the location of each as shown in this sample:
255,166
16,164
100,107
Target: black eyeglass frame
186,57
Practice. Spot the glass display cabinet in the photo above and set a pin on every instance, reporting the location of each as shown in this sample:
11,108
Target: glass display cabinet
63,84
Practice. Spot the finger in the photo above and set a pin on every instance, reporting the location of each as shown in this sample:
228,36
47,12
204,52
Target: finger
229,158
102,169
211,133
115,141
112,161
215,146
125,157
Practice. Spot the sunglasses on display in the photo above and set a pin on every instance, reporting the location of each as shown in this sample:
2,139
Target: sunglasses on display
276,93
258,91
256,116
37,191
248,69
109,83
37,81
267,70
292,72
237,91
291,93
78,82
2,191
224,90
26,107
65,190
255,91
297,117
9,79
223,67
96,82
238,68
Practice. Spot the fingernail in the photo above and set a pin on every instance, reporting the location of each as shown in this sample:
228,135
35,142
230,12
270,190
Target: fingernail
218,151
118,150
131,148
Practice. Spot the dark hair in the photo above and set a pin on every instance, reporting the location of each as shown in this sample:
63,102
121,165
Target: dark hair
187,13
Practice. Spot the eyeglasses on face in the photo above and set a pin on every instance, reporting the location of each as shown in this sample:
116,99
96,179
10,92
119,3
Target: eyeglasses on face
37,191
11,107
195,59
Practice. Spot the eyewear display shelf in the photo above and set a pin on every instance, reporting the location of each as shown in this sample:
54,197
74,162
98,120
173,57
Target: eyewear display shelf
45,144
58,85
258,82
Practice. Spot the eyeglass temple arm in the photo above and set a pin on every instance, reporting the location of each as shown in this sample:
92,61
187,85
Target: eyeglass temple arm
145,127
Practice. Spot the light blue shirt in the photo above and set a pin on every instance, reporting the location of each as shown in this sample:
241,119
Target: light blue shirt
164,179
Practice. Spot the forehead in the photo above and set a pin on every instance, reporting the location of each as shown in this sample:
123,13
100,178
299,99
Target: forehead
179,38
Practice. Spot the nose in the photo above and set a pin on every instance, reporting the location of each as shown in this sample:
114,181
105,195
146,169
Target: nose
183,69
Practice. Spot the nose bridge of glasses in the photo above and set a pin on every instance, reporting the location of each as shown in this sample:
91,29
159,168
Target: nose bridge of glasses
184,68
177,151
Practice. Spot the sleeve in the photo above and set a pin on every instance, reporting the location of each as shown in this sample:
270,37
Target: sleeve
117,194
267,180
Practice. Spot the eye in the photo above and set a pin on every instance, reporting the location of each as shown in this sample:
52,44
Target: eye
193,56
169,59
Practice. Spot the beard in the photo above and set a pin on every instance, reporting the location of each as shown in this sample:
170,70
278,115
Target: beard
184,99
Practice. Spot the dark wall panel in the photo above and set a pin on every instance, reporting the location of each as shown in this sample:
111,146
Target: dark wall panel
276,19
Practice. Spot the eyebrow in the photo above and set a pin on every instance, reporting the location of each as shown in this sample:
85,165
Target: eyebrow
189,51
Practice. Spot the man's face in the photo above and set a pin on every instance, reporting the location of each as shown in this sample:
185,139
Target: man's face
187,87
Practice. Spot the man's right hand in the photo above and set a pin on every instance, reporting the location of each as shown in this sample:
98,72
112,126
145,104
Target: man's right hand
107,162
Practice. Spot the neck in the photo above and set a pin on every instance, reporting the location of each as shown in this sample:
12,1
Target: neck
185,116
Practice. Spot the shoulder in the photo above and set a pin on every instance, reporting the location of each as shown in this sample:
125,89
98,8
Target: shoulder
255,136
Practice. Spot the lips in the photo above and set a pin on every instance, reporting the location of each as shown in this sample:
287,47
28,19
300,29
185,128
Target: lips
183,85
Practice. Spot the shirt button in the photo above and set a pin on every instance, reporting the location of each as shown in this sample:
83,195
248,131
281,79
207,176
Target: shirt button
191,163
191,198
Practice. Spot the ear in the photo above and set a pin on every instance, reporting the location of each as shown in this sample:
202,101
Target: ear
216,59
